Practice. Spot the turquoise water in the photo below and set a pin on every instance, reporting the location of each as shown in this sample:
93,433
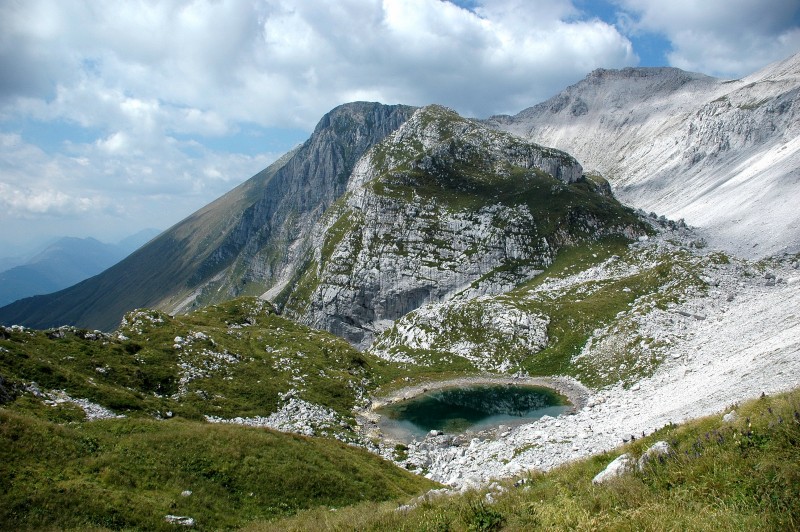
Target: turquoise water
456,410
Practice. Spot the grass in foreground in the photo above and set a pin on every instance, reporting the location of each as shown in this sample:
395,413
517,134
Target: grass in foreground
131,473
743,475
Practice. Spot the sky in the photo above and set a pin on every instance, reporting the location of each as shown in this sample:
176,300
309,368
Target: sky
119,116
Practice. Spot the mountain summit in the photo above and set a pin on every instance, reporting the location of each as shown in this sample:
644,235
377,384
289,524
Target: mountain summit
719,153
445,208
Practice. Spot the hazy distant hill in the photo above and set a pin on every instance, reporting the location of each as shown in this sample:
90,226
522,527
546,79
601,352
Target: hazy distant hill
65,262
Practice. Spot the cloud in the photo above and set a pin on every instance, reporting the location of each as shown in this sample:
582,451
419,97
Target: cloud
30,182
48,201
728,38
111,186
153,86
285,63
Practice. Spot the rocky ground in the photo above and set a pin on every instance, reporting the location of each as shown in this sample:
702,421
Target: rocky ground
737,341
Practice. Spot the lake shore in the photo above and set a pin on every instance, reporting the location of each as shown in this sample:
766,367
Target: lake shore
577,394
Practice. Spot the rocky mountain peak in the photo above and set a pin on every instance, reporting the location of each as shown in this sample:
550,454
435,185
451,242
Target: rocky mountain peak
294,199
717,153
445,207
440,143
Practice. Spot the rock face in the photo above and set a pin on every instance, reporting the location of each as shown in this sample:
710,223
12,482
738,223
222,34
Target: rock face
268,238
718,153
297,416
492,334
444,208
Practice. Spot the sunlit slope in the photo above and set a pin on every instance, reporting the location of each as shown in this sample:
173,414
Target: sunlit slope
723,154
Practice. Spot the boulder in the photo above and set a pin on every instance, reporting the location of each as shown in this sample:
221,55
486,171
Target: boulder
179,520
623,464
658,449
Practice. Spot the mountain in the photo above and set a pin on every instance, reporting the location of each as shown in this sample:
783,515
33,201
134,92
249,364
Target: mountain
6,263
445,208
722,154
242,243
135,241
65,262
442,252
719,154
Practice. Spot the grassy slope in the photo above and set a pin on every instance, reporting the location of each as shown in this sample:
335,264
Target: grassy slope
743,475
140,374
130,473
58,471
576,313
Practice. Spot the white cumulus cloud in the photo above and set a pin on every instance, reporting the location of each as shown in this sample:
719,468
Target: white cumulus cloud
158,93
728,38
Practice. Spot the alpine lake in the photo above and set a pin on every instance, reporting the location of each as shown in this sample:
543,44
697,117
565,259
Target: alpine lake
472,408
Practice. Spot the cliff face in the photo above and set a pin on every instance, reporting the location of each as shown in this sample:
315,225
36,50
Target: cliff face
718,153
263,248
443,209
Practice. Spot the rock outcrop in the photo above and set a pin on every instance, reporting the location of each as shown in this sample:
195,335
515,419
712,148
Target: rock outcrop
625,463
444,208
618,467
492,334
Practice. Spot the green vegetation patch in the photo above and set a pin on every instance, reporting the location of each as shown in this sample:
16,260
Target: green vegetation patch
235,359
131,473
575,314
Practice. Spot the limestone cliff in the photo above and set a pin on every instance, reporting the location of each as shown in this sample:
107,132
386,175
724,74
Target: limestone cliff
262,249
444,208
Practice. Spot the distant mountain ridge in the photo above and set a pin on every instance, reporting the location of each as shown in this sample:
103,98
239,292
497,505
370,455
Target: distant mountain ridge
65,262
723,154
